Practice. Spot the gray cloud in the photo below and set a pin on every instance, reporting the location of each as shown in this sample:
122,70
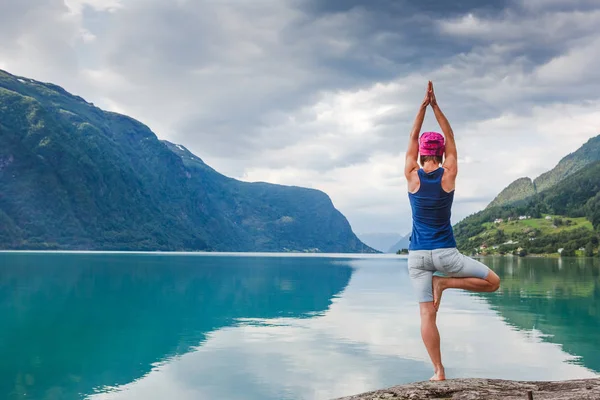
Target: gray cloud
323,93
39,29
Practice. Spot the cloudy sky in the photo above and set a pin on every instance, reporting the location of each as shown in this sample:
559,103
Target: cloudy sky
322,93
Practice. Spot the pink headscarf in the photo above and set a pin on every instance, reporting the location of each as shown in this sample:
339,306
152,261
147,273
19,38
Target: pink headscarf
431,144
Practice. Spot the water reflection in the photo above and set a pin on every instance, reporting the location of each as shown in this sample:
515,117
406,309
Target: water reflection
558,297
155,327
74,323
367,339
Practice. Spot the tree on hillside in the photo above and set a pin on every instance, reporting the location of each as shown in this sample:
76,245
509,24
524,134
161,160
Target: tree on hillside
567,252
589,250
569,249
558,221
593,211
498,237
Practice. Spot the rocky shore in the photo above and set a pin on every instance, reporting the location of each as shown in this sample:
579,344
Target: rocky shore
488,389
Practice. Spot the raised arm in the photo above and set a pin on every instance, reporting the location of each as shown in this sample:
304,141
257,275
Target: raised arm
451,157
411,165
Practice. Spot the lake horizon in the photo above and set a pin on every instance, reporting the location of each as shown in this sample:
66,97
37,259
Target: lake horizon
216,253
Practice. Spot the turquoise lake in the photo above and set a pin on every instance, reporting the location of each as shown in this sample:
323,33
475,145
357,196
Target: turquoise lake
196,326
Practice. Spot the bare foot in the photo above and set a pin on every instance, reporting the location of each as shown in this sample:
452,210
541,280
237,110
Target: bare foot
438,288
439,375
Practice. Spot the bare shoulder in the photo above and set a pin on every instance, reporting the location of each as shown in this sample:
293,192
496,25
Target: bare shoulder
412,179
449,179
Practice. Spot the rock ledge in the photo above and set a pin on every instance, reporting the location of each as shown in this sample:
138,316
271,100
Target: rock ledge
488,389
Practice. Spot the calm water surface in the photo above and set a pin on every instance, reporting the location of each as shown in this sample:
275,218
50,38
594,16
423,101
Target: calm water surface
141,326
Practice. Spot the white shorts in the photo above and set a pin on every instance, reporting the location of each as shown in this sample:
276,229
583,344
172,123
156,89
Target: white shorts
422,264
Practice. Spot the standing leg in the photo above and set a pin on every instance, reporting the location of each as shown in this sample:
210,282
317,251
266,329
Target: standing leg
431,338
420,269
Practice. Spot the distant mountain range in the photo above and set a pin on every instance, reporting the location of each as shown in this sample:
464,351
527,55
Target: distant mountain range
400,244
386,242
73,176
380,241
558,210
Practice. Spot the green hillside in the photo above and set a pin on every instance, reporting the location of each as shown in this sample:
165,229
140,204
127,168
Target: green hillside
518,190
525,187
73,176
566,216
534,235
585,155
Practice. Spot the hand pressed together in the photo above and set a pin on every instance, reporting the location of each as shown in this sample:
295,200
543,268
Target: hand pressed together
427,99
431,95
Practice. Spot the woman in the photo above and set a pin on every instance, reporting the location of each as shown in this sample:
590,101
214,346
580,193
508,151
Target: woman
432,247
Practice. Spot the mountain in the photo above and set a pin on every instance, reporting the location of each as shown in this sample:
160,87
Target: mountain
525,187
73,176
400,244
518,190
566,215
380,241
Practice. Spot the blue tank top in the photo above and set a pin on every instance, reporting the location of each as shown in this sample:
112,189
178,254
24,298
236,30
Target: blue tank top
431,212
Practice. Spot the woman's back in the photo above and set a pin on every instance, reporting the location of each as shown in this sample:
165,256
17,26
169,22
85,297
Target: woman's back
431,213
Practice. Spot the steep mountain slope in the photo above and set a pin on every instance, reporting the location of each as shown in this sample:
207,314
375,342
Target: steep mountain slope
267,216
518,190
75,177
585,155
579,195
525,187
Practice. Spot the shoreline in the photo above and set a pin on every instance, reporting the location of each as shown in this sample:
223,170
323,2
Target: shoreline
271,253
211,253
487,389
553,256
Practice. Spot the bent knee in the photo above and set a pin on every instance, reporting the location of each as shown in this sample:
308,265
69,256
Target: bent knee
495,286
494,280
